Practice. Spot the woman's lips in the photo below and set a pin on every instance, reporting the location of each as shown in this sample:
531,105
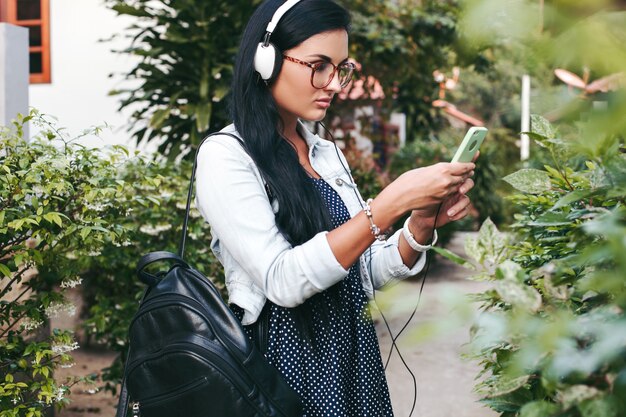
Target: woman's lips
323,102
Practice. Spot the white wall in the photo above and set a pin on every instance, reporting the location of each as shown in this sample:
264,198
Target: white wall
13,73
80,68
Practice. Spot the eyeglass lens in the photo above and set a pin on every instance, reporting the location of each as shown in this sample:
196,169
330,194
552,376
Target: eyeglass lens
325,71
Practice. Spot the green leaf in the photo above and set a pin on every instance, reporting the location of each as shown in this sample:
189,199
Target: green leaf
576,394
539,409
542,127
510,270
531,181
489,245
158,118
550,218
204,86
16,224
537,138
508,385
53,218
514,292
122,8
5,271
203,116
453,257
473,250
601,407
84,232
572,197
220,92
509,402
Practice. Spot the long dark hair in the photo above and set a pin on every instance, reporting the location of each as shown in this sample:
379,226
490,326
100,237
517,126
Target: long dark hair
302,212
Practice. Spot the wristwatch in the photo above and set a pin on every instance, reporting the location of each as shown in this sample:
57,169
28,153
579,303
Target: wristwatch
410,239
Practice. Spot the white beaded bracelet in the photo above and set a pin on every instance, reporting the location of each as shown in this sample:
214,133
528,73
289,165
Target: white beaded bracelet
410,239
373,228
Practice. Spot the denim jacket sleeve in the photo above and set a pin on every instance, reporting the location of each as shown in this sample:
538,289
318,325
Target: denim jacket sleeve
231,196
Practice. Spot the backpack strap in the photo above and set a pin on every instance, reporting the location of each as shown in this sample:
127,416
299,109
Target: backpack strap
181,248
122,404
261,329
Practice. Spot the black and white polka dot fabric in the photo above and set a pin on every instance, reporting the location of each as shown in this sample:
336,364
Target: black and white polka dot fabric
338,371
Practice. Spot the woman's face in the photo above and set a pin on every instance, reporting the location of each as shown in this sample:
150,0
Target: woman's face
292,89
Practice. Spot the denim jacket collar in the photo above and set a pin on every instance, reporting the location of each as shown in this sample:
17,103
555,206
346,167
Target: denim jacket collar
312,140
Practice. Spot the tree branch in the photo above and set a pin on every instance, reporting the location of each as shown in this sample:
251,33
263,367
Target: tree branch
15,278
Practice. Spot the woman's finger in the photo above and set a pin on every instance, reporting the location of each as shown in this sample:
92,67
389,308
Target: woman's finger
467,185
458,207
464,212
461,168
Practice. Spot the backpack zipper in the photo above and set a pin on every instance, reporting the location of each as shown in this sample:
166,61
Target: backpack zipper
136,412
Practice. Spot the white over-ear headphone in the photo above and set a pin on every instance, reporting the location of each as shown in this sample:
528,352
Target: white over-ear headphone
267,55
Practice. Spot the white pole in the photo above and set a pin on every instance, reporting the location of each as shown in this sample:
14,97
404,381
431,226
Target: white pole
525,142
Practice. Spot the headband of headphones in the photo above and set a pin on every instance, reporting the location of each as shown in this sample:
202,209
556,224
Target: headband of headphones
266,56
271,26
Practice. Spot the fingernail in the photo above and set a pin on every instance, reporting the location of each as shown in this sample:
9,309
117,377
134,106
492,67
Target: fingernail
451,213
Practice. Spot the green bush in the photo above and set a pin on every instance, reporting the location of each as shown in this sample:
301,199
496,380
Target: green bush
552,340
58,203
153,222
70,216
185,51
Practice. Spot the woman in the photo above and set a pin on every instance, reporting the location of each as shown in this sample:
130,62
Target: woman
289,225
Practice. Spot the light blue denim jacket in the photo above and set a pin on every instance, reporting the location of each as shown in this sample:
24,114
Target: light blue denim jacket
259,263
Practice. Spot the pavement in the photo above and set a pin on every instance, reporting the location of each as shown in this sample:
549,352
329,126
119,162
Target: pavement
444,380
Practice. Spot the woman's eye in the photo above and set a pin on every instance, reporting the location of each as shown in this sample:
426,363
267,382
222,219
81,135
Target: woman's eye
322,66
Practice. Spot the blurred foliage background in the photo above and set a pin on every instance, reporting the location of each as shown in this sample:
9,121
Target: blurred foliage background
550,338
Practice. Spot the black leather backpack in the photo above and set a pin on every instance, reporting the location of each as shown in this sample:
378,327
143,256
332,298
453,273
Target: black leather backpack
189,355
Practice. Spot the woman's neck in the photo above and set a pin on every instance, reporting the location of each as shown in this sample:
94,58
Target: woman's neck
289,125
291,135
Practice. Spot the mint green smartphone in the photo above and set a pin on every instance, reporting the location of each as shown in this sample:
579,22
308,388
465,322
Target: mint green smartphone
471,142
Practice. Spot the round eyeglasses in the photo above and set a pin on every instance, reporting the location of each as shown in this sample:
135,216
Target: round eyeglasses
322,73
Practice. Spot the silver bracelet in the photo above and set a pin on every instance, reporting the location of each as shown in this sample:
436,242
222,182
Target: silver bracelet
373,228
410,239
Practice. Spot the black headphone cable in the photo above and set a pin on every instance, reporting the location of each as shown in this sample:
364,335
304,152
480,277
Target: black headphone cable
387,326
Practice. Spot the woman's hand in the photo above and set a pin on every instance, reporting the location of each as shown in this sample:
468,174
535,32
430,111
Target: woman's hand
419,191
422,188
453,208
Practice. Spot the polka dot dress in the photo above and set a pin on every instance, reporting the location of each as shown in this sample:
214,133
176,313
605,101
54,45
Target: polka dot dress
338,370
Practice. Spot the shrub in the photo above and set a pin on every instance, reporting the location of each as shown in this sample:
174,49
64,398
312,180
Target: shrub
153,222
69,216
552,339
58,201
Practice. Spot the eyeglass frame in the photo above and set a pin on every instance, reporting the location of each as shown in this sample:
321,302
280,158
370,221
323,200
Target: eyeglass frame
314,68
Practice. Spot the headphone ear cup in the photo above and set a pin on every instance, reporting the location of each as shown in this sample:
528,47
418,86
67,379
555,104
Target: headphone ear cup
265,60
